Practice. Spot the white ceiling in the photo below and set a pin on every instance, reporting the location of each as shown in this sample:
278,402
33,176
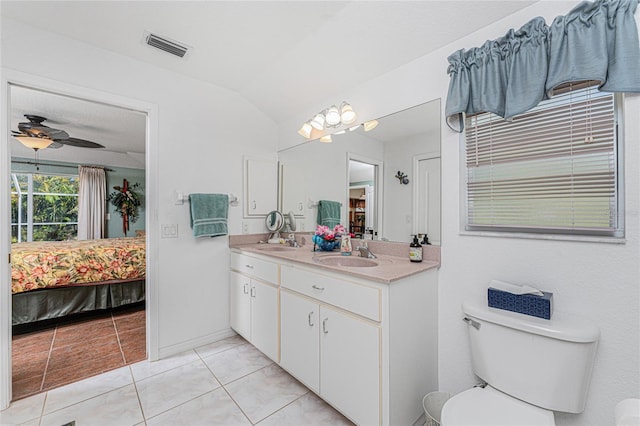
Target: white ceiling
283,56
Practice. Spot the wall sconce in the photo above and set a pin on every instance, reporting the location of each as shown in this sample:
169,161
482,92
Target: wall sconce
328,118
404,179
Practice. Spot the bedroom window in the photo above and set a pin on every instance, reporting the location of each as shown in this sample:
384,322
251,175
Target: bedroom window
43,207
553,169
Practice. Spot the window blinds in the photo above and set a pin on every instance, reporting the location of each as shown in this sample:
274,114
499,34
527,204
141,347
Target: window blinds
552,169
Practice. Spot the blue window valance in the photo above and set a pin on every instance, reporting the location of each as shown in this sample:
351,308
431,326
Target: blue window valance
510,75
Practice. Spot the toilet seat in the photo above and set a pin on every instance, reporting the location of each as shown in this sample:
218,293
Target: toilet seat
490,407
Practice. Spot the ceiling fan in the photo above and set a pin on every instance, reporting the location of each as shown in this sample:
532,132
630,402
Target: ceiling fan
35,135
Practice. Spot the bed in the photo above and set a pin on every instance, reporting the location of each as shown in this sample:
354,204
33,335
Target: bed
52,279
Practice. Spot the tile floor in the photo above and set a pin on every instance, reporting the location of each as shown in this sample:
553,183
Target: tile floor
49,358
224,383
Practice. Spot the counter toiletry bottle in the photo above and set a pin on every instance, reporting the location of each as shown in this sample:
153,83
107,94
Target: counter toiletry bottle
415,250
345,245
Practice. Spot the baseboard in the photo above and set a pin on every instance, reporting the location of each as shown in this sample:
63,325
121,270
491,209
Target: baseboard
194,343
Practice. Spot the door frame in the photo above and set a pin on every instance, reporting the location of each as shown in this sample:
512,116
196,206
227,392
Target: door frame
16,78
378,190
416,187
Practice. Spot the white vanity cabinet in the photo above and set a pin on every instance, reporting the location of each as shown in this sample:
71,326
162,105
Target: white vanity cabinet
254,302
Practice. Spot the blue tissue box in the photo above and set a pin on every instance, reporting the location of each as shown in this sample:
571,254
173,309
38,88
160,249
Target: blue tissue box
528,304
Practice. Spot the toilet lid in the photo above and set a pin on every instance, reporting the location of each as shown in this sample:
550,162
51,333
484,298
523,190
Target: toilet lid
490,407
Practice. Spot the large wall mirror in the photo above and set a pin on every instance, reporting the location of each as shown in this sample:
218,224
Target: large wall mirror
360,169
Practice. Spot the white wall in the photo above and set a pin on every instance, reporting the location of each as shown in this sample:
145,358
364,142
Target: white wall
597,280
203,132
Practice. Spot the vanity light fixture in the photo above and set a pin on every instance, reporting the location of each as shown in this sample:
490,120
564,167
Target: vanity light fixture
305,130
370,125
318,121
347,115
330,117
326,139
340,132
354,128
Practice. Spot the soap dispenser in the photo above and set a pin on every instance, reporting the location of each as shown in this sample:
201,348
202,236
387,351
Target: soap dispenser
415,250
345,245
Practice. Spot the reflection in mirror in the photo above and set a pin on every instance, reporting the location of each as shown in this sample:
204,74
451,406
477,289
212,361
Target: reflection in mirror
274,221
363,215
315,171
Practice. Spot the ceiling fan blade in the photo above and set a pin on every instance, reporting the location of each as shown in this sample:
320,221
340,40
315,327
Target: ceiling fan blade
80,143
55,145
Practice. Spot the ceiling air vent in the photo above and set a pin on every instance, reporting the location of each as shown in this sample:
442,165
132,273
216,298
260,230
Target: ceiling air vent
165,44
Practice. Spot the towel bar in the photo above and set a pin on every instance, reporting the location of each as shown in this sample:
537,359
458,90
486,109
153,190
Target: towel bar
181,197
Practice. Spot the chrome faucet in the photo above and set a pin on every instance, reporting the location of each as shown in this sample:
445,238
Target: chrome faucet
364,250
292,241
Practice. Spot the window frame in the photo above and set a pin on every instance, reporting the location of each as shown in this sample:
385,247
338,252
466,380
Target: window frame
30,193
617,236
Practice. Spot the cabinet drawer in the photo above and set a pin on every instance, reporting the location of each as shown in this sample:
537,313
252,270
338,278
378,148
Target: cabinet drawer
357,298
261,269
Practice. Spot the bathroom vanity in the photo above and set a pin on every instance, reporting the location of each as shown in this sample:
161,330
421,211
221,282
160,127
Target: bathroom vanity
360,333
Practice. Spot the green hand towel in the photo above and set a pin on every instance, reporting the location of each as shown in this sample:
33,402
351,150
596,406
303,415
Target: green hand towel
209,214
328,213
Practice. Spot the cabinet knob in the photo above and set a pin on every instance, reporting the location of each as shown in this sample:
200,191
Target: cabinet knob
324,326
248,266
253,292
315,287
246,288
309,319
254,205
300,206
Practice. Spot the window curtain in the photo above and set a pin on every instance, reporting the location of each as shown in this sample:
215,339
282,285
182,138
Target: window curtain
508,76
91,203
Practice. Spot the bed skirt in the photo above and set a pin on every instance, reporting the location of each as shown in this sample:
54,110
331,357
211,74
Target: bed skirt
38,305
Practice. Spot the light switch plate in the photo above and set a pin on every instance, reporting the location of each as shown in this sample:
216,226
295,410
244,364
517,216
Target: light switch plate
170,230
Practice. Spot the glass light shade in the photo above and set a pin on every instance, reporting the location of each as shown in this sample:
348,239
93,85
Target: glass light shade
356,127
305,130
370,125
340,132
347,115
332,116
34,143
326,139
318,122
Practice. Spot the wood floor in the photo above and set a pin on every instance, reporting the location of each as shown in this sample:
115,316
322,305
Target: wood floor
72,351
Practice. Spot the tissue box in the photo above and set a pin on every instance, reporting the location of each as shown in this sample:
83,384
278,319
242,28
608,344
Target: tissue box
528,304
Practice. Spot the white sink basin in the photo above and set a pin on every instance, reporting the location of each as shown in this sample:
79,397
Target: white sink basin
348,261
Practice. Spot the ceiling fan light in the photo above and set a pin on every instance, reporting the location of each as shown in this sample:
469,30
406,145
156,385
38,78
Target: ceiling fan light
34,143
326,139
347,115
318,122
370,125
332,116
305,130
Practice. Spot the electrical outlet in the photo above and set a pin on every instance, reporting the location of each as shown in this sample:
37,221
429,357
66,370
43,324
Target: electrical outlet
245,227
170,230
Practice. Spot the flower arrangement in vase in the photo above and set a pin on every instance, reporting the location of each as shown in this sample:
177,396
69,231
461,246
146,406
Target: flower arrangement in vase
328,239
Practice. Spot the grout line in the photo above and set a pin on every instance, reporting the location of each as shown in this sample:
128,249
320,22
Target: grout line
115,327
46,366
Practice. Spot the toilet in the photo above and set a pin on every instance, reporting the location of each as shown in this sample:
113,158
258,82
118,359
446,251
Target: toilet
532,368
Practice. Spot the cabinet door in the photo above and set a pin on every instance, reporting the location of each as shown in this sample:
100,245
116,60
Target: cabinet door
261,186
299,339
240,304
293,188
350,365
264,318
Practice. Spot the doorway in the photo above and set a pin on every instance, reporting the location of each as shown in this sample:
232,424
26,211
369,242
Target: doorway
364,192
150,178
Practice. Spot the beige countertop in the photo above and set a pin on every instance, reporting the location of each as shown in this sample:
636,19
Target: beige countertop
389,265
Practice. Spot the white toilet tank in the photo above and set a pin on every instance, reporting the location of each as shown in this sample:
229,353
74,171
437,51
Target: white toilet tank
546,363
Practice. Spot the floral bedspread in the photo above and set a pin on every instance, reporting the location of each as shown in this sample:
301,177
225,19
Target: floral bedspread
45,264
